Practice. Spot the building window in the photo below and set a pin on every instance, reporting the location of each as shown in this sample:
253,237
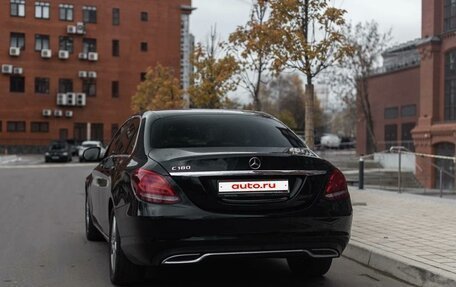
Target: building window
80,131
41,42
408,111
143,77
144,16
66,43
42,10
390,136
89,87
89,45
115,48
17,8
17,84
66,12
115,16
65,86
17,40
15,127
39,127
114,129
42,85
144,47
406,138
391,113
89,14
450,86
97,132
115,89
450,15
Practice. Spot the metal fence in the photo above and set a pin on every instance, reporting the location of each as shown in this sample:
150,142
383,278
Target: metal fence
441,176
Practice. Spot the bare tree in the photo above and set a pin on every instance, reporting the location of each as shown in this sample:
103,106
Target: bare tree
350,79
251,43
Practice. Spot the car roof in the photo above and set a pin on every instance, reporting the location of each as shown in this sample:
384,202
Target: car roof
169,113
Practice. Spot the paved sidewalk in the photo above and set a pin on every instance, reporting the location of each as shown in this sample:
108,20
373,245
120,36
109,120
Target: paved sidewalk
412,237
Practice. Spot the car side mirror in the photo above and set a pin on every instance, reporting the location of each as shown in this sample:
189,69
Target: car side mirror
92,154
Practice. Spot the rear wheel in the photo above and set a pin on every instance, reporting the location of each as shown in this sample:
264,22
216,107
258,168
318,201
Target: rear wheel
309,267
92,233
122,271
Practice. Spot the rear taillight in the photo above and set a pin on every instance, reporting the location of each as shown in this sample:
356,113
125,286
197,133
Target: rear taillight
154,188
336,189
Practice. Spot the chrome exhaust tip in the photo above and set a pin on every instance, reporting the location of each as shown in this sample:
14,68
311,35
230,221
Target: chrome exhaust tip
191,258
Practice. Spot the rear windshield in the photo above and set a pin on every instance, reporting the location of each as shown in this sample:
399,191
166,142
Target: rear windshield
188,131
58,146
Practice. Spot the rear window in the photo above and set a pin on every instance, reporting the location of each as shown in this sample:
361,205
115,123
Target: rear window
191,131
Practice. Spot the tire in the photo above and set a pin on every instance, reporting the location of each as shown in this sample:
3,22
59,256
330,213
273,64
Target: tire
81,159
70,158
309,267
122,271
92,233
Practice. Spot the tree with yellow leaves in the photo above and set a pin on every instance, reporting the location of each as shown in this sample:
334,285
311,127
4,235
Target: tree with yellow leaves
159,91
213,76
307,37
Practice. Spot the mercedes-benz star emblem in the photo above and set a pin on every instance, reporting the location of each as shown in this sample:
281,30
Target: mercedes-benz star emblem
255,163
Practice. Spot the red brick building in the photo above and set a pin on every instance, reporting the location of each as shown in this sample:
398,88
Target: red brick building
432,86
394,100
436,128
70,67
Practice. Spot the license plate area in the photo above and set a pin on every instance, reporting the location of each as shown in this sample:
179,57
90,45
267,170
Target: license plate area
253,188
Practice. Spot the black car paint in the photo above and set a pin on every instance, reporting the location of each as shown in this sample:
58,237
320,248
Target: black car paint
151,232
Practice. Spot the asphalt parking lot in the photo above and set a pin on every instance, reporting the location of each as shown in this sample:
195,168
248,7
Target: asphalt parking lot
43,242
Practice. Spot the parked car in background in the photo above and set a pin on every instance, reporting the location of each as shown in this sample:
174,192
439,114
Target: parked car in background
75,146
330,141
58,151
86,144
180,187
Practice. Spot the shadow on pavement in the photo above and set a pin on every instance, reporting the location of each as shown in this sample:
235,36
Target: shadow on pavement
235,272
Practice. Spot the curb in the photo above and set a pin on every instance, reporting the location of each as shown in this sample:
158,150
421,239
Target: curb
404,269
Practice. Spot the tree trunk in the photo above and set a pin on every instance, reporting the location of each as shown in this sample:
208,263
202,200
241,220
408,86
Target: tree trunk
366,109
309,116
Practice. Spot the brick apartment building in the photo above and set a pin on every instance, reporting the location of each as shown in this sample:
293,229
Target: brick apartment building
431,86
70,67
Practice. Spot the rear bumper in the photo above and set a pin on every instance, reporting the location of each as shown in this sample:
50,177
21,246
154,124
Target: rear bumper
172,240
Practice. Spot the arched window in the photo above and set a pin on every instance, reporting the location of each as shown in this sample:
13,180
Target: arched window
450,15
450,86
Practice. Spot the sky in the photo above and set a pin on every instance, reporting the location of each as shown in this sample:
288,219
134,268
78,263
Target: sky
402,17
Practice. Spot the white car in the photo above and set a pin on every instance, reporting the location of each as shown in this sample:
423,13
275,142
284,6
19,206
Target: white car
86,144
330,141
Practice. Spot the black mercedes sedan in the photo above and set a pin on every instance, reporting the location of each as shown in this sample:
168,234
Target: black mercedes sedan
180,187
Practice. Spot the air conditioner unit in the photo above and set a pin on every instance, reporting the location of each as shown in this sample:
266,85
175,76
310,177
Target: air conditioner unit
69,114
47,113
14,51
82,74
82,56
71,29
64,54
7,69
58,113
93,56
80,28
61,99
81,99
46,53
92,74
18,70
71,99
